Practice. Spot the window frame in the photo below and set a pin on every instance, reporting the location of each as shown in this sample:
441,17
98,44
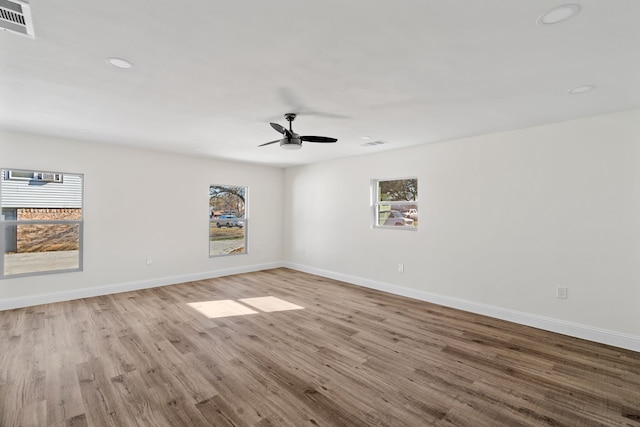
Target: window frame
5,224
377,203
244,219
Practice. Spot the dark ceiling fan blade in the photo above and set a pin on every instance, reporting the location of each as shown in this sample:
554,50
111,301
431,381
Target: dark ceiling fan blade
278,128
283,130
267,143
317,139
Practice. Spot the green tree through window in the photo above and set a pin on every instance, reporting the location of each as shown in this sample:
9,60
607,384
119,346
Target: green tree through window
227,220
399,190
395,203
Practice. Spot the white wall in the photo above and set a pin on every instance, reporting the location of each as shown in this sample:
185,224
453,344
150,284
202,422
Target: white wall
504,219
144,203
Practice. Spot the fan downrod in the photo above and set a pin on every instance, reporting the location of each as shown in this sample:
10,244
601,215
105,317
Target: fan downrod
290,118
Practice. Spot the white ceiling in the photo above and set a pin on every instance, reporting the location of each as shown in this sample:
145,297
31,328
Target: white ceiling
209,75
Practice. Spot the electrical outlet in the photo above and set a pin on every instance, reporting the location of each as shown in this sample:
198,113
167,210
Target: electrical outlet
561,292
401,268
149,260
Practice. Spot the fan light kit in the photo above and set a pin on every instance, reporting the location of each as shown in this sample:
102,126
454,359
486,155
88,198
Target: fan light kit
291,140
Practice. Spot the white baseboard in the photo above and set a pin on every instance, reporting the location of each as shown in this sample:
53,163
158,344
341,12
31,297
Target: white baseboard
31,300
577,330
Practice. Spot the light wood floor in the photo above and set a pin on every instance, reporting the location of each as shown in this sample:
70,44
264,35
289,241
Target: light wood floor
351,357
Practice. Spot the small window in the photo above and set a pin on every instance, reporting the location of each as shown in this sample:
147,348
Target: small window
41,222
228,220
395,203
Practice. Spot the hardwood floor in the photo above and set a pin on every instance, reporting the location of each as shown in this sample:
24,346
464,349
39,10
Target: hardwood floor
350,357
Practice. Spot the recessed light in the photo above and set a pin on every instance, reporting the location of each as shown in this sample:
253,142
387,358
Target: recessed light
366,138
559,14
581,89
119,63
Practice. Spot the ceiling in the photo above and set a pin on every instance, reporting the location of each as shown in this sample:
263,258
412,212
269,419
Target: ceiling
210,75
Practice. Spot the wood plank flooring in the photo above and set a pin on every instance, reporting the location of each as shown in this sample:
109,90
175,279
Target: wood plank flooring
350,357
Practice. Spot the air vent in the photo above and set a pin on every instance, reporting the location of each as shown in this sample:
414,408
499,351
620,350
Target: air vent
15,17
373,143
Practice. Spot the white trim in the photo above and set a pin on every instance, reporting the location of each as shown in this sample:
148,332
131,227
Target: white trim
577,330
31,300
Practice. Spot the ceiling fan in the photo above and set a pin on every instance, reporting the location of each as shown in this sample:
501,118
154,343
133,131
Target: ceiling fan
291,140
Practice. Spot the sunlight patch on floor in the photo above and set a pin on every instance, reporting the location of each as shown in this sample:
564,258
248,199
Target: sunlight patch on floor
228,307
270,304
221,308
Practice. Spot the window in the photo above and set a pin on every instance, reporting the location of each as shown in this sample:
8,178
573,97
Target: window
227,220
395,203
40,223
